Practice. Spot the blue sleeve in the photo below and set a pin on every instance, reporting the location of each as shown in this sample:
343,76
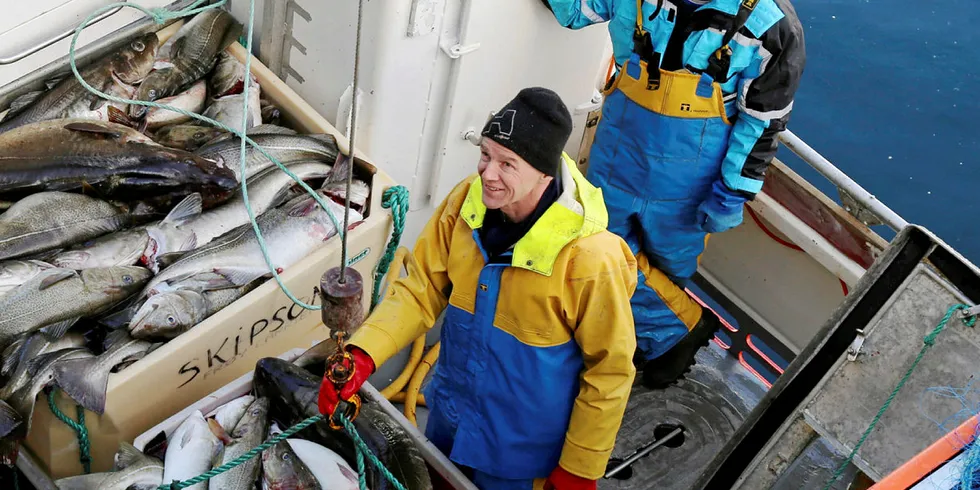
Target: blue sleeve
576,14
765,101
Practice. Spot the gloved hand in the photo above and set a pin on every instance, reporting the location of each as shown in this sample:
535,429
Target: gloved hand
560,479
722,210
363,369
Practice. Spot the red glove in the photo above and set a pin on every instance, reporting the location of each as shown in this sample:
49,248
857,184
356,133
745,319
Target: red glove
363,369
563,480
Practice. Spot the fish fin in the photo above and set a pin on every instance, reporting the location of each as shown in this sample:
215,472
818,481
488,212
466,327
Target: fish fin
302,208
54,276
238,277
37,363
121,319
176,48
219,431
186,209
57,330
168,259
232,34
9,419
22,102
119,116
83,383
350,475
162,65
115,337
91,481
11,354
93,128
98,101
54,81
127,456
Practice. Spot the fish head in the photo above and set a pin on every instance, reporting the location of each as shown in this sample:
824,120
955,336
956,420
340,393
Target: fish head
166,314
164,238
134,61
282,469
255,420
159,84
117,282
187,137
291,389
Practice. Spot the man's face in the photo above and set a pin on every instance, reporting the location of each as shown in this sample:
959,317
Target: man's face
507,178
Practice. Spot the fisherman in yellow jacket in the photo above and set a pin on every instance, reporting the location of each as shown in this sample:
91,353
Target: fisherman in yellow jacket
535,366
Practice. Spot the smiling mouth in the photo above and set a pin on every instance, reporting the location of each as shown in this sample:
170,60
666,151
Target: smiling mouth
493,189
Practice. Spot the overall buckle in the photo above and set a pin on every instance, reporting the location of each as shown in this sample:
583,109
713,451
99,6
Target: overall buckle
719,63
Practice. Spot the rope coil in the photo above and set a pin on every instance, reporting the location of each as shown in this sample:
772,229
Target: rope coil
928,341
81,431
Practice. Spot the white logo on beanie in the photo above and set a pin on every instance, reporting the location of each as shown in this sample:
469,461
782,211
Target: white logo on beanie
503,124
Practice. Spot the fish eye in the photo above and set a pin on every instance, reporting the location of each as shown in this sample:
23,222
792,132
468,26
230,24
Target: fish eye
88,243
138,45
285,457
171,320
198,135
152,93
127,279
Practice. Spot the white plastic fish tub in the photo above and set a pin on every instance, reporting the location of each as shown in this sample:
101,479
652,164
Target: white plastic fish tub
439,464
262,323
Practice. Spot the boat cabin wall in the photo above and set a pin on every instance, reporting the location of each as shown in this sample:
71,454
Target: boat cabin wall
430,70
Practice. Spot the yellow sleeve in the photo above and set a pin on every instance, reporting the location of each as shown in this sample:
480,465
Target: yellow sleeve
412,303
606,336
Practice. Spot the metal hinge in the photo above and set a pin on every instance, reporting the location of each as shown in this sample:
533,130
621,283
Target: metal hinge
855,349
457,50
970,312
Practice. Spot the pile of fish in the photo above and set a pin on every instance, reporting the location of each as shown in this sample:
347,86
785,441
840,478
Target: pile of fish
318,457
124,227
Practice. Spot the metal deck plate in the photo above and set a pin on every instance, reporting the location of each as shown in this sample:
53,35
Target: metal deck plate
710,403
848,401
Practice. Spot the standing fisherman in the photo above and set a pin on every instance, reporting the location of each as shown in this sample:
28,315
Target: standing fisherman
535,367
689,126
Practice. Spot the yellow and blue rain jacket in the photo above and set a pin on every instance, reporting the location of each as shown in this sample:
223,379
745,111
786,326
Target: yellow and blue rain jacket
535,366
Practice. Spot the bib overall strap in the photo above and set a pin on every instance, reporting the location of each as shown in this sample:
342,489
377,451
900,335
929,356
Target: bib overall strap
720,61
643,46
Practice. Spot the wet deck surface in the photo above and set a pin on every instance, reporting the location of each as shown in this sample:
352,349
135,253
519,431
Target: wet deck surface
710,403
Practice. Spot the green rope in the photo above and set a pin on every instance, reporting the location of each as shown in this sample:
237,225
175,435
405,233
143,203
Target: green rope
160,16
396,198
361,447
177,485
84,445
928,341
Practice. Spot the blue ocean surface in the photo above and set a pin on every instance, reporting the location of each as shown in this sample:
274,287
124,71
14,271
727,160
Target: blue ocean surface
890,96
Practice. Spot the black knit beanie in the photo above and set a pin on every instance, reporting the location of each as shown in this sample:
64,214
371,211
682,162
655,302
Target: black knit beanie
535,125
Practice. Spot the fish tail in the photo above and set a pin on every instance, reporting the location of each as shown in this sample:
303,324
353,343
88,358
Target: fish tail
85,384
10,419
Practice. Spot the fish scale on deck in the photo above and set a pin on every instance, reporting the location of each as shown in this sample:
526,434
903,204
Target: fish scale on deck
165,192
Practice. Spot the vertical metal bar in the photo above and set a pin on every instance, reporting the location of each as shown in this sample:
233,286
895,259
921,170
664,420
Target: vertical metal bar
350,147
